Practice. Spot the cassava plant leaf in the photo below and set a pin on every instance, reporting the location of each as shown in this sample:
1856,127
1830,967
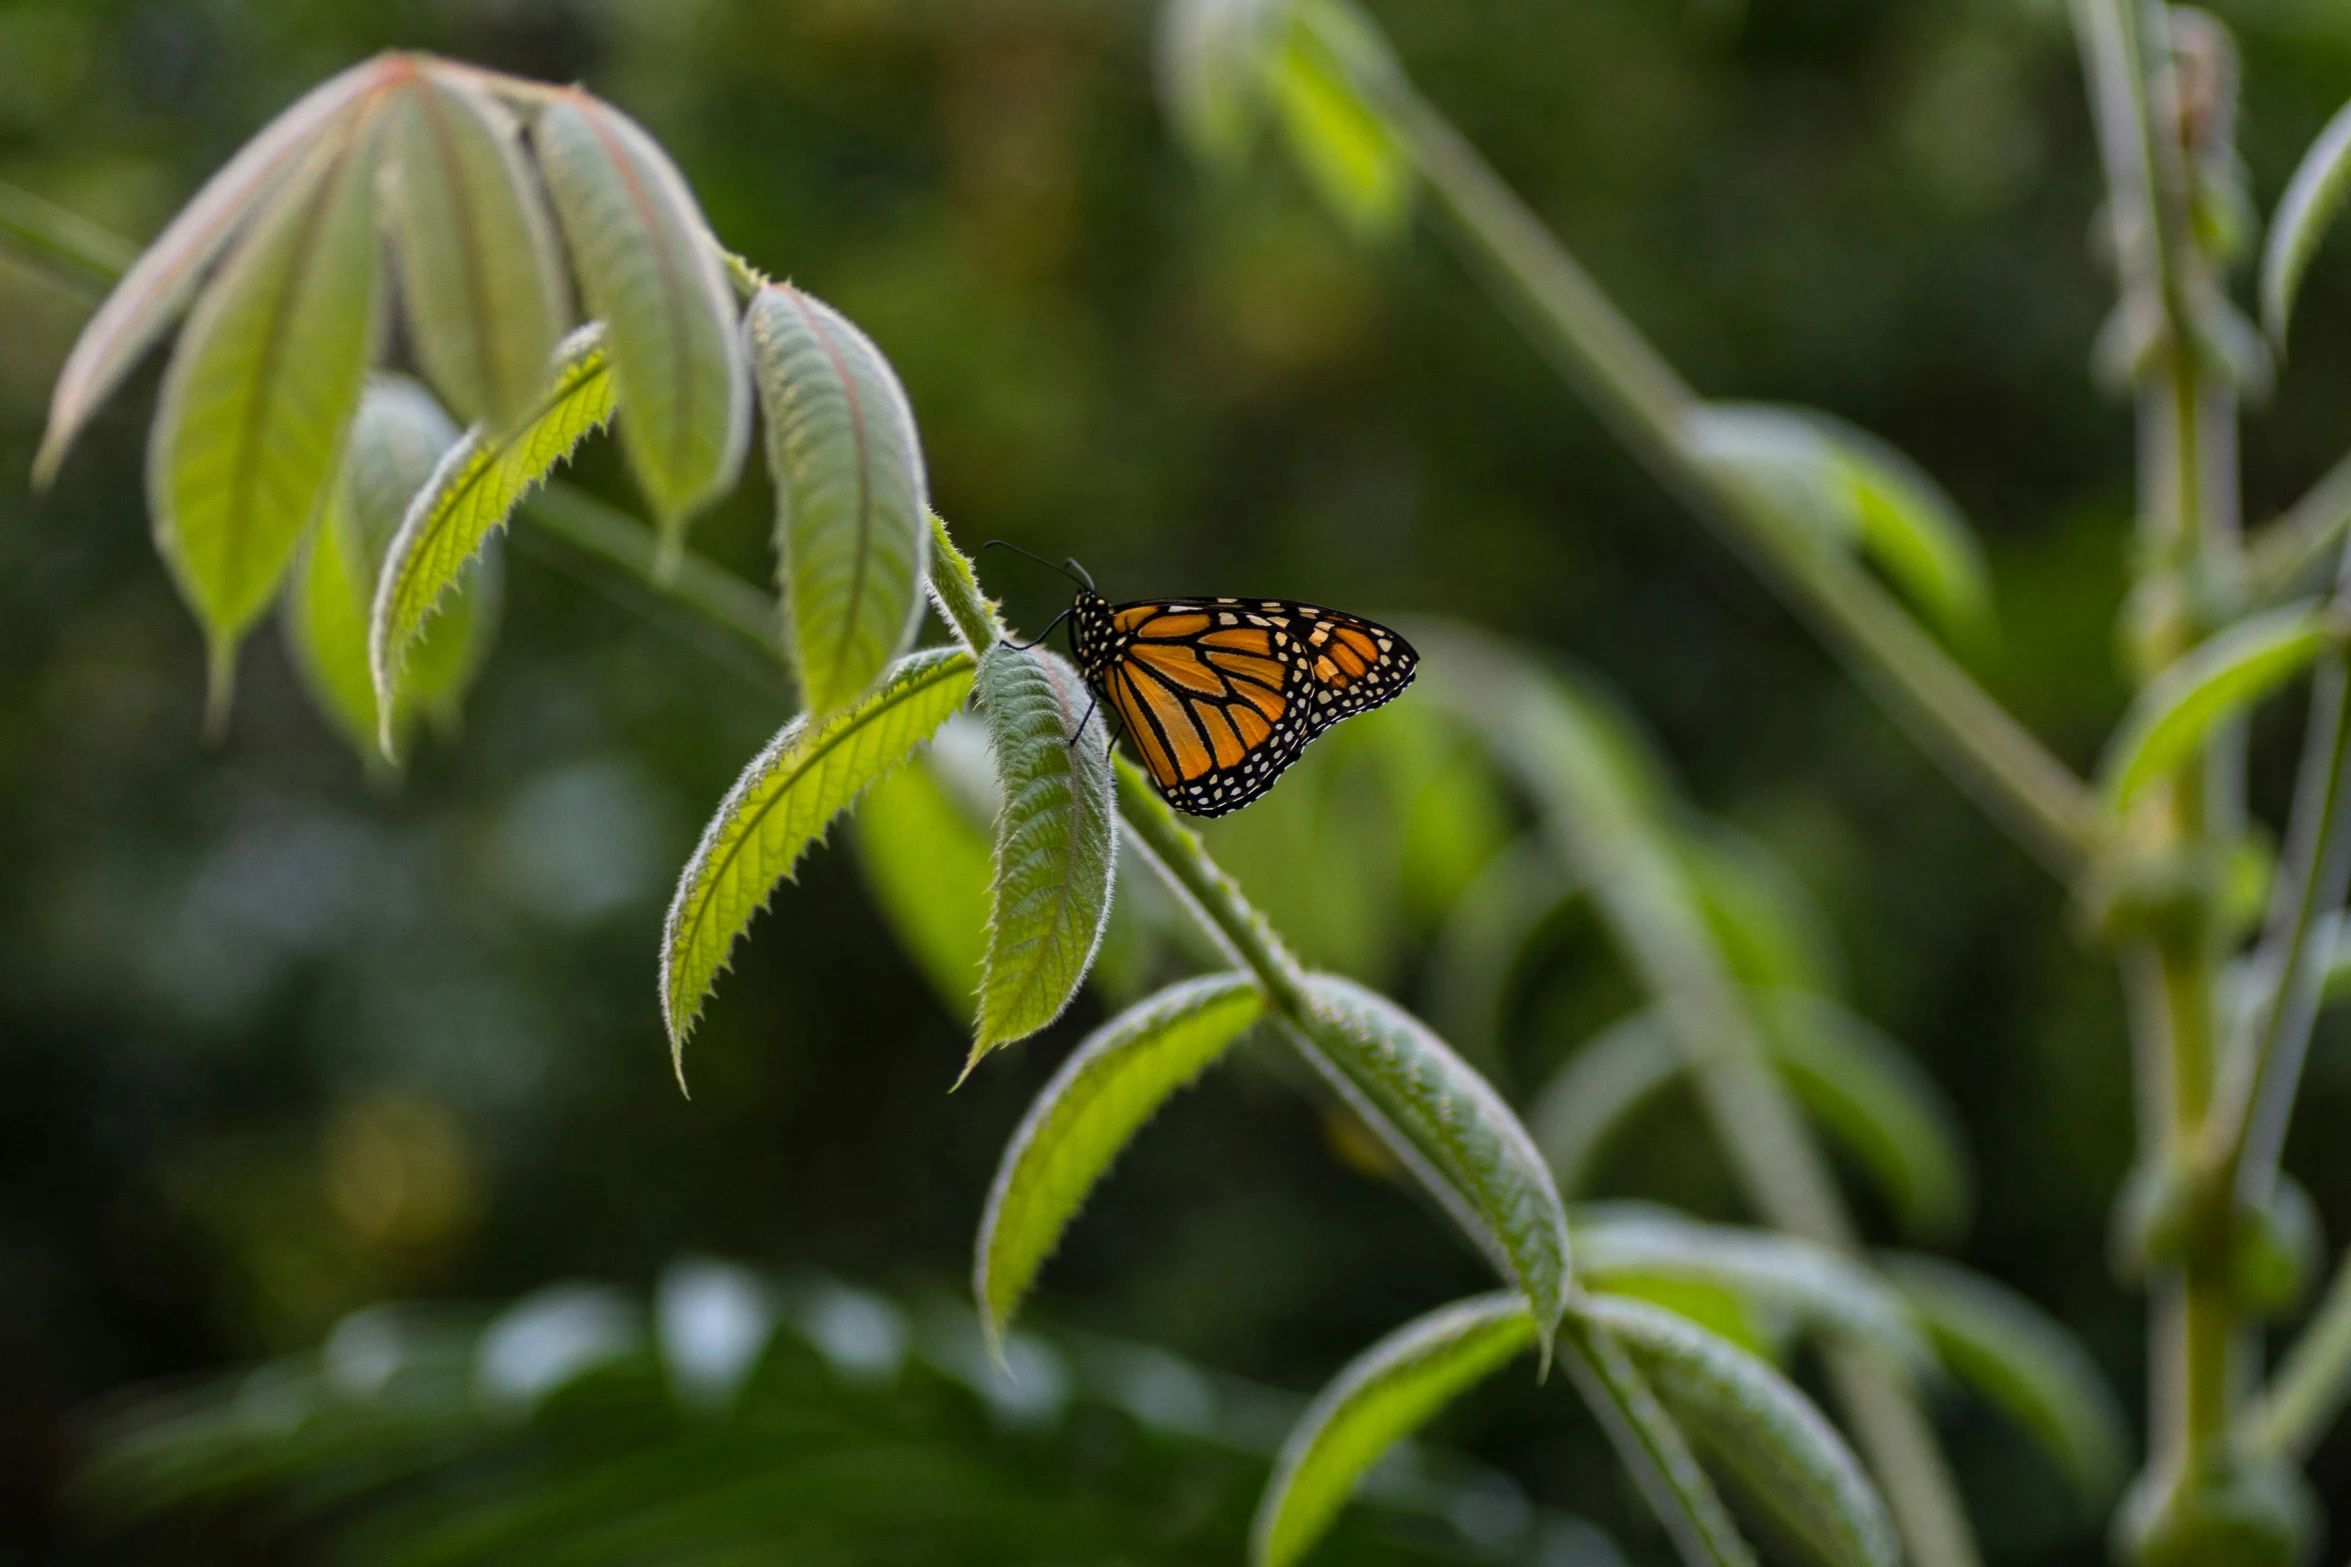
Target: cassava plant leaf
2219,679
165,277
470,496
261,389
1111,1084
852,510
1056,843
650,271
1451,1129
927,865
1382,1396
2027,1366
480,275
807,775
1753,1424
2313,197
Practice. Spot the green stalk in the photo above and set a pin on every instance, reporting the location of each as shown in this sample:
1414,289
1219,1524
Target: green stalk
2312,1386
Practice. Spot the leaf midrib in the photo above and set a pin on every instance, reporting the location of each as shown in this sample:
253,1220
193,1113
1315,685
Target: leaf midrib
672,291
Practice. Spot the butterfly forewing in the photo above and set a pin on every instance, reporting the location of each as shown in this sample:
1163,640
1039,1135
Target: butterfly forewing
1220,694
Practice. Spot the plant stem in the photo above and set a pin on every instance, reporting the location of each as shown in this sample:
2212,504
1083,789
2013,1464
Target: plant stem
2310,1389
1992,756
608,534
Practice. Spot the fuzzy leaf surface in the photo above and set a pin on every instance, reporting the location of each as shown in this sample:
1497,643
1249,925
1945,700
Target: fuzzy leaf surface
2023,1363
792,791
648,269
1109,1087
165,277
1056,843
1652,1446
2313,197
2168,722
852,505
480,275
1755,1425
1382,1396
1451,1129
262,387
471,495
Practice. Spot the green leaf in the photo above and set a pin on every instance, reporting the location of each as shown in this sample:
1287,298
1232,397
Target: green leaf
1056,843
1756,1427
1876,1104
927,865
1383,1395
1770,929
1842,487
650,271
808,775
1212,60
1816,1287
1105,1091
852,512
471,496
480,275
1343,145
2313,196
1450,1128
1484,941
261,389
162,281
2017,1357
396,441
1597,1090
2219,679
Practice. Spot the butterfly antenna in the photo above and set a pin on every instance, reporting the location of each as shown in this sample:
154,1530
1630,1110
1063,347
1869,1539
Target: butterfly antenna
1077,576
1048,631
1083,574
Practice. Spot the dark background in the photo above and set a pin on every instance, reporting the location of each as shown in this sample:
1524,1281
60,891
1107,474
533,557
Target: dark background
231,978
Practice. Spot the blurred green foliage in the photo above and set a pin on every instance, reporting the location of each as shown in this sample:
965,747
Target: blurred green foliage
276,1042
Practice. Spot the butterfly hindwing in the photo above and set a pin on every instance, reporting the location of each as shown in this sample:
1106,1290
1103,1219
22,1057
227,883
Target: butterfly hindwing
1221,694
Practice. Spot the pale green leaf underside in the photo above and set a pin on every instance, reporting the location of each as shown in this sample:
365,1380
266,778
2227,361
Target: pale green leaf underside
2313,196
2168,722
1111,1084
1450,1128
473,493
1384,1394
1056,843
1652,1446
480,275
160,283
2024,1364
928,868
1817,1288
1753,1424
792,791
852,511
261,388
649,270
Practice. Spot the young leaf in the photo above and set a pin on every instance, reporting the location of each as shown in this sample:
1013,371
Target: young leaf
2016,1356
1877,1105
160,284
1758,1428
1342,144
471,495
2167,723
927,866
1597,1089
807,775
1451,1129
1384,1394
2312,198
1094,1105
261,389
1816,1286
1056,843
650,271
480,276
852,512
1212,59
396,441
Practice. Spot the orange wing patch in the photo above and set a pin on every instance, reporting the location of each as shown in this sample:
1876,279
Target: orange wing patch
1227,745
1241,639
1179,664
1169,627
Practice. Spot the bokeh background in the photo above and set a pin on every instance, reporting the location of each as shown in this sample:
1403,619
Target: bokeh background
277,1040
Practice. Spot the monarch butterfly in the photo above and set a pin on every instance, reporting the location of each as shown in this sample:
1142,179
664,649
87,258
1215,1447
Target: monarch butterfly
1221,694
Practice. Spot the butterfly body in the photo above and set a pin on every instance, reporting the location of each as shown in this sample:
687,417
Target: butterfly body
1221,694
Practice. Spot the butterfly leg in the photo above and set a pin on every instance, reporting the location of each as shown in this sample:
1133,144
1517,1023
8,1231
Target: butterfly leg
1075,735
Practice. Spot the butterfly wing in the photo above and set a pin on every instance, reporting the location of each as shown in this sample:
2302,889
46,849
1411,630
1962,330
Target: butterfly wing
1221,694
